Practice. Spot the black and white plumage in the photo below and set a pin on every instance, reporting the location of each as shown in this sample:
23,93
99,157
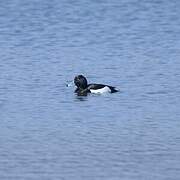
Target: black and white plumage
83,87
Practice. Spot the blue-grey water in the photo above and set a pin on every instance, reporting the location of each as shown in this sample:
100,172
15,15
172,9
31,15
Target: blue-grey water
47,132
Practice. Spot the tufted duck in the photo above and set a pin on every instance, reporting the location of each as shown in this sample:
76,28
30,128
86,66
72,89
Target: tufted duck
83,87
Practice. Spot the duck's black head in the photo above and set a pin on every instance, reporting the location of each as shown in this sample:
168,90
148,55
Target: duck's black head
81,82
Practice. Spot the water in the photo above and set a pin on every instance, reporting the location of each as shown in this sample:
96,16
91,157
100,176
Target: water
47,132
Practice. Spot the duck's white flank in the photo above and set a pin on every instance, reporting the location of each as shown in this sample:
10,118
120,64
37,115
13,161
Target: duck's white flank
102,90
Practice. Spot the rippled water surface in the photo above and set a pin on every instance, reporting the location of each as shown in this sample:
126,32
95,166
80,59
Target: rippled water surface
47,132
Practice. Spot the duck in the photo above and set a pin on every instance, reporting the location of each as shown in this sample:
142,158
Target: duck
83,88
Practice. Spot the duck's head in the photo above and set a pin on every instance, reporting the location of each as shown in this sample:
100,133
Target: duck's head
81,82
